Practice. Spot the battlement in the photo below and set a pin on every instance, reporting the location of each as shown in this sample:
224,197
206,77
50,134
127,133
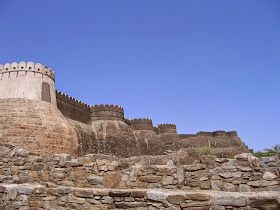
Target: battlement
71,100
142,124
27,67
210,134
167,126
142,121
107,112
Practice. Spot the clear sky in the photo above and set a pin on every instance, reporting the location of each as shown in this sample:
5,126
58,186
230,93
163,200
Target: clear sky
203,65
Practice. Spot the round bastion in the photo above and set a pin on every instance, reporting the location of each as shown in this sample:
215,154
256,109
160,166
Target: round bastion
29,117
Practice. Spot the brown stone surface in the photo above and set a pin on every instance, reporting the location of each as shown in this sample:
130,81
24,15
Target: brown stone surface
36,126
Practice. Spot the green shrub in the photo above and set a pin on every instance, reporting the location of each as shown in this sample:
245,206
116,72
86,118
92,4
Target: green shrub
275,151
206,150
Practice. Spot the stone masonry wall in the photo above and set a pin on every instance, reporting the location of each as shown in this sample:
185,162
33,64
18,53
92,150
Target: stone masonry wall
245,173
34,196
105,182
36,126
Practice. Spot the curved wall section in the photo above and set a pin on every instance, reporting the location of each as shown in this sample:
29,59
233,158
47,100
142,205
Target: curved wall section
29,81
36,126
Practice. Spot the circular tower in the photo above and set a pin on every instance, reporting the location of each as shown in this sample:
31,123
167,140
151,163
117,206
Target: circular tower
27,81
113,134
148,142
29,117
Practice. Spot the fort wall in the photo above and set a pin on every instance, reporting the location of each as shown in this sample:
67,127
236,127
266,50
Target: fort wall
220,139
142,124
73,109
29,81
37,126
107,112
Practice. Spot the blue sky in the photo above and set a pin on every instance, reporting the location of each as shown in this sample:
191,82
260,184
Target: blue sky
203,65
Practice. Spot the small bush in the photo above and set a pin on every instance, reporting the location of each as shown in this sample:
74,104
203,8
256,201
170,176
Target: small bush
275,151
206,150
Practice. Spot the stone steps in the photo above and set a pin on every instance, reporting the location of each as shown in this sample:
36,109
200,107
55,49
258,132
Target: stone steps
34,196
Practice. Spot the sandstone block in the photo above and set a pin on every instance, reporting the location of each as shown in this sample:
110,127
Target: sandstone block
119,193
176,199
157,195
112,179
226,200
244,188
85,193
150,179
269,175
167,180
198,197
195,167
73,199
95,180
21,152
262,183
180,175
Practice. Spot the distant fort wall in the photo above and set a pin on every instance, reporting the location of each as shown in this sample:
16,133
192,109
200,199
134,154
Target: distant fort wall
66,125
142,124
107,112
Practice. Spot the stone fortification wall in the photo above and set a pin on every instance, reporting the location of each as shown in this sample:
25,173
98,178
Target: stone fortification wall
148,142
29,81
245,173
107,112
61,180
37,126
217,139
142,124
72,108
169,137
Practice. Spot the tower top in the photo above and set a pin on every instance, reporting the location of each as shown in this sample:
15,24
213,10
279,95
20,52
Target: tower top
30,67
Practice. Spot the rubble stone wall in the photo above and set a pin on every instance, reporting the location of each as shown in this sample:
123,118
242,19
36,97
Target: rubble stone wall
31,196
245,173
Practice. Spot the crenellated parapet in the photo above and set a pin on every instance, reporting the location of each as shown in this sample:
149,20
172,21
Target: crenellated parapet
142,124
23,68
27,81
73,101
107,112
167,128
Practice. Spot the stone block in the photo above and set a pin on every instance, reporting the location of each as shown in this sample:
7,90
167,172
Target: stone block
237,201
150,178
176,199
195,167
95,180
112,179
85,193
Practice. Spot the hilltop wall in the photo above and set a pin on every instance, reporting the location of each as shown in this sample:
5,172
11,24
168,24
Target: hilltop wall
219,139
73,109
37,126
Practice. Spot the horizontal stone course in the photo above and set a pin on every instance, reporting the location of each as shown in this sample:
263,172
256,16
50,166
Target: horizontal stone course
12,196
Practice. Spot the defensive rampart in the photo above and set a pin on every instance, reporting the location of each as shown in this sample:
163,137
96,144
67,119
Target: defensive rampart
217,139
107,112
73,109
